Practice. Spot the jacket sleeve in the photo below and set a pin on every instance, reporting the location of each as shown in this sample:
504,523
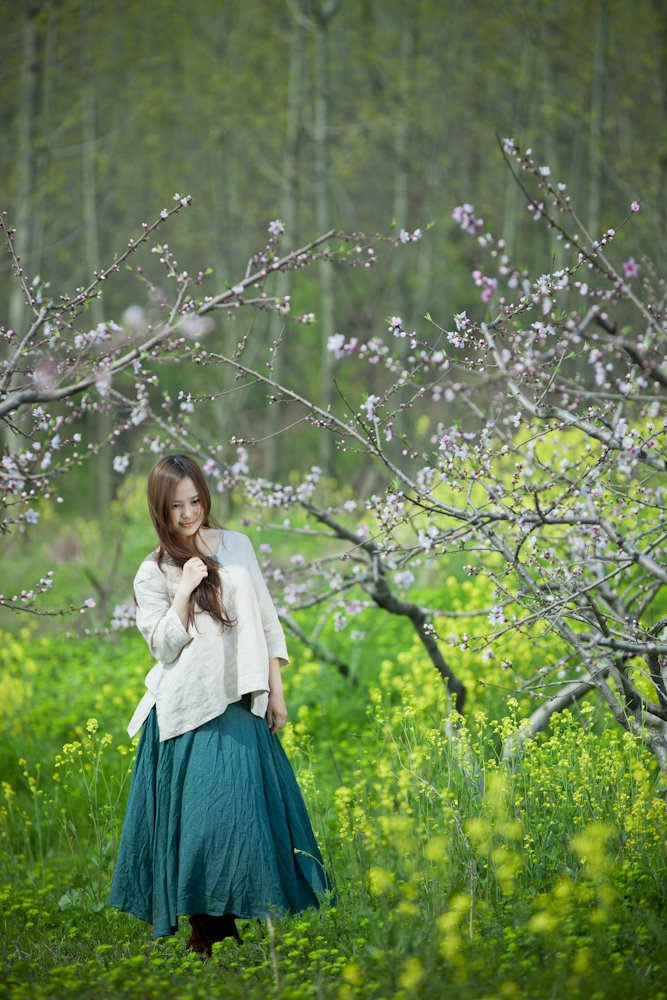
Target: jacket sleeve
156,620
273,630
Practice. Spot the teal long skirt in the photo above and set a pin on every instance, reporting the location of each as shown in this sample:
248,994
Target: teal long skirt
215,823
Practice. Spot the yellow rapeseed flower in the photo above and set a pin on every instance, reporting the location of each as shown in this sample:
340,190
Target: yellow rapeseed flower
381,880
412,973
542,923
353,974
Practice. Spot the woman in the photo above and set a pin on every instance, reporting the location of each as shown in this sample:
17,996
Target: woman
216,826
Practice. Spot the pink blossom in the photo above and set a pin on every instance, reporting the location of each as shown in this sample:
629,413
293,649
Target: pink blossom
630,268
634,207
490,285
276,227
369,406
465,216
335,343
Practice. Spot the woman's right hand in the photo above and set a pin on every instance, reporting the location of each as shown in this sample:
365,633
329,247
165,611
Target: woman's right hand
194,571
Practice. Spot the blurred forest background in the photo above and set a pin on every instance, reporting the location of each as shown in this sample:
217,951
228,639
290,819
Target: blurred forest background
353,114
360,116
543,879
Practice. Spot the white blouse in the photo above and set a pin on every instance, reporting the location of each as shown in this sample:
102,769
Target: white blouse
204,668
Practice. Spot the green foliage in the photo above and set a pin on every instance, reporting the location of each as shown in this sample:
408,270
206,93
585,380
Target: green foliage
208,95
450,868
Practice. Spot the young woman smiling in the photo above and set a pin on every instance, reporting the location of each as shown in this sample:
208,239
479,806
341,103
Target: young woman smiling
216,827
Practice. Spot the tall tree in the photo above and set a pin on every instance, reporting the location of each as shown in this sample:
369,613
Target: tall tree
289,183
596,116
319,15
28,91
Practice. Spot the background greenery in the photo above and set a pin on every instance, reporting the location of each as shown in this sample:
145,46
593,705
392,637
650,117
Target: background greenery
354,115
451,869
548,881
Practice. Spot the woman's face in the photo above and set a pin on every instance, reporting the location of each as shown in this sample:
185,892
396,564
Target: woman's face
186,512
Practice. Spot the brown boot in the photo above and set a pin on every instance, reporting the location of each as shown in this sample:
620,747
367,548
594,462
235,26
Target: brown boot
201,940
207,929
223,927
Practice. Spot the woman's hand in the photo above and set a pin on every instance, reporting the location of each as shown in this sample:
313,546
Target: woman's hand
194,571
276,713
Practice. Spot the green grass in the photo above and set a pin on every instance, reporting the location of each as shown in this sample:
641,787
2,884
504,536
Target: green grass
454,877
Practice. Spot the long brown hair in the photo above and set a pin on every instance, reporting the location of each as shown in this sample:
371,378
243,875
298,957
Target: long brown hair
163,480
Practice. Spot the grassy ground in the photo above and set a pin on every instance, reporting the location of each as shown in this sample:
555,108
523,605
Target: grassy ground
454,877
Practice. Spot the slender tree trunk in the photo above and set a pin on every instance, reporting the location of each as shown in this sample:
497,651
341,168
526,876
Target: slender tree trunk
595,130
102,485
288,214
402,138
28,90
427,266
661,89
44,145
511,210
320,16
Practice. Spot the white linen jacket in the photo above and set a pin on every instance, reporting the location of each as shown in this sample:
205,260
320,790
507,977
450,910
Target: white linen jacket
204,668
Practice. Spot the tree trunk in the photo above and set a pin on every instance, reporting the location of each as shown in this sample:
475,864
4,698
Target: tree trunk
661,88
29,84
402,140
595,130
320,18
102,479
512,207
44,145
288,214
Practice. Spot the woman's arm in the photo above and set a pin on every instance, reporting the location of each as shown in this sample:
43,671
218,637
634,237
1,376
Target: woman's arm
194,571
161,621
276,713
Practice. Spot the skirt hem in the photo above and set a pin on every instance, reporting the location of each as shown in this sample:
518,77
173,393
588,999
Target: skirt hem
215,823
